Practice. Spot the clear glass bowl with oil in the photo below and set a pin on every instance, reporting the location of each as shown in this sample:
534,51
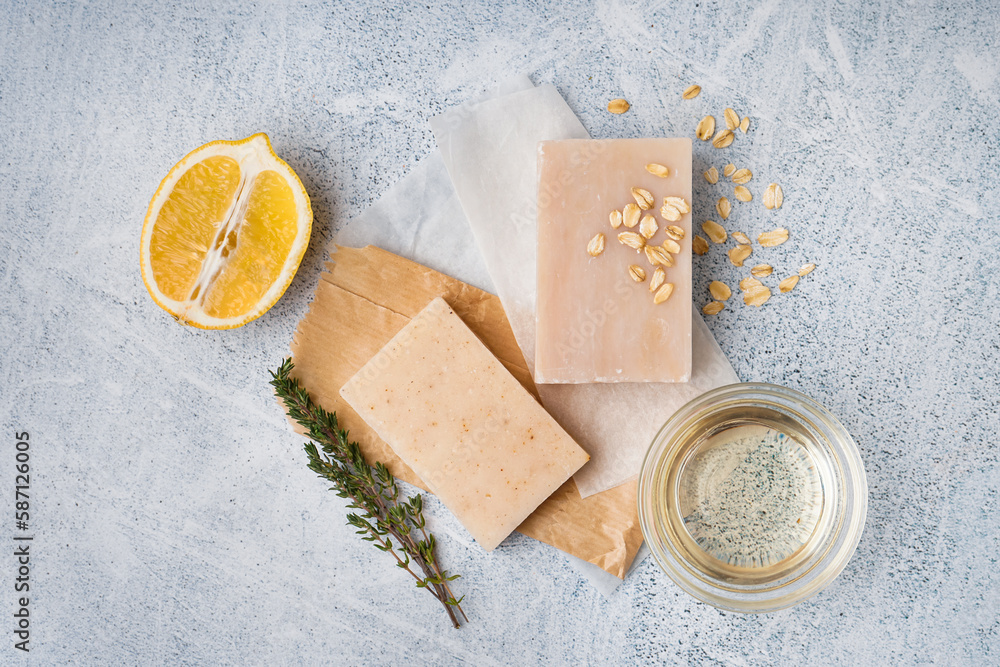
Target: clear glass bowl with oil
752,497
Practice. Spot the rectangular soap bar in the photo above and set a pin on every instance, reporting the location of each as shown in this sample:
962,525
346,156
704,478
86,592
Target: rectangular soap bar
595,323
463,423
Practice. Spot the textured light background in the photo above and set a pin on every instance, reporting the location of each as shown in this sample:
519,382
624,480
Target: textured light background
175,519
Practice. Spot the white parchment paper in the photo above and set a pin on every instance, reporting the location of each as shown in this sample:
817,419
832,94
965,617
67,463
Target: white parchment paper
490,151
421,218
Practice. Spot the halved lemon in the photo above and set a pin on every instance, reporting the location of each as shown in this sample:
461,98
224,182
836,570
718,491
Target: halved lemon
224,234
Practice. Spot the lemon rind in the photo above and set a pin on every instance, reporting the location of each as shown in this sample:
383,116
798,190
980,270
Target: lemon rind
256,147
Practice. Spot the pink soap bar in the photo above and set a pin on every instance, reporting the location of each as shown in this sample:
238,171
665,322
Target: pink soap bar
594,322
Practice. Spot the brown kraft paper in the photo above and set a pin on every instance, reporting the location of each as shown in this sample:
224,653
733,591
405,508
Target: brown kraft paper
363,299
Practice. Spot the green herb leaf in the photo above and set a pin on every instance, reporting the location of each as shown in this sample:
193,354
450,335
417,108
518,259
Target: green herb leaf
371,488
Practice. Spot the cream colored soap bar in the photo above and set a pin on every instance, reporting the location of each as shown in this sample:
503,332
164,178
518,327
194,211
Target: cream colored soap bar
454,414
595,322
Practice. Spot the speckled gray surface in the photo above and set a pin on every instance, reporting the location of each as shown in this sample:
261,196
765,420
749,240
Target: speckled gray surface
175,520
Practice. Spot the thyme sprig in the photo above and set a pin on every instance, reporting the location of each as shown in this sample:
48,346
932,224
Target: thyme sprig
394,525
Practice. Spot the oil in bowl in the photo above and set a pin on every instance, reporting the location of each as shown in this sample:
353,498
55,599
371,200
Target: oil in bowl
752,497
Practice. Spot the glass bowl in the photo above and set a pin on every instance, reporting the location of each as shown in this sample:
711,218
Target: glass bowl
752,497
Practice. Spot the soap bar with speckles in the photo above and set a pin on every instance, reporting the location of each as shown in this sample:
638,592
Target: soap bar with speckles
466,426
594,322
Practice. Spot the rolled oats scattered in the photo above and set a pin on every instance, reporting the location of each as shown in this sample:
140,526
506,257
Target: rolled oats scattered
670,213
723,207
773,238
705,128
663,293
732,119
672,246
738,254
756,295
618,106
723,138
643,198
712,308
659,275
657,170
742,176
699,245
616,219
789,283
679,203
648,227
632,240
773,197
715,231
630,215
596,245
657,256
691,91
720,290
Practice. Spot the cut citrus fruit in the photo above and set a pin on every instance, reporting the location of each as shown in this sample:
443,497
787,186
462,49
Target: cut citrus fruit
224,234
